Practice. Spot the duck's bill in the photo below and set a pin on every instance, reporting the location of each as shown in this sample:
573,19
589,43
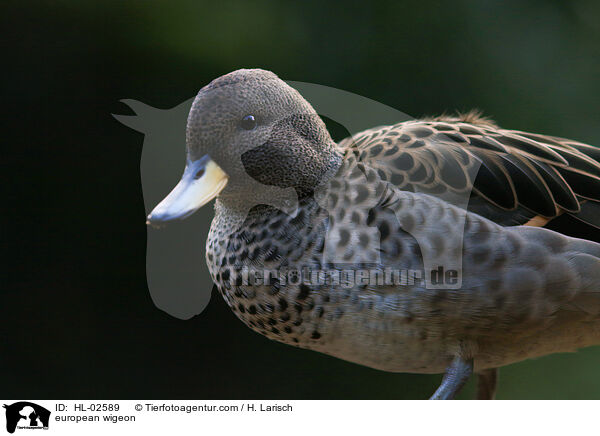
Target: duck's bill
202,181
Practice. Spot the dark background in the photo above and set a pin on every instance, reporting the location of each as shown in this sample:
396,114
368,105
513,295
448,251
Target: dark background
76,317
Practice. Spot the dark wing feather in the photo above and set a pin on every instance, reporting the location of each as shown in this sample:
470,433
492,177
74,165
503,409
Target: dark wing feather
512,176
533,192
563,194
493,181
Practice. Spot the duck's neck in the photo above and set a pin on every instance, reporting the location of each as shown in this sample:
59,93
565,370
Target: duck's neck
232,209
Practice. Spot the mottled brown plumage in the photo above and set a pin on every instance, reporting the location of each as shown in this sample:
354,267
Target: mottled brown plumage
444,191
519,175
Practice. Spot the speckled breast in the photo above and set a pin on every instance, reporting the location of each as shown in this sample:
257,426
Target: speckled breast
370,325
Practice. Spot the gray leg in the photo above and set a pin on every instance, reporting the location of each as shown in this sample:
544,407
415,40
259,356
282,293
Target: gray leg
454,379
487,380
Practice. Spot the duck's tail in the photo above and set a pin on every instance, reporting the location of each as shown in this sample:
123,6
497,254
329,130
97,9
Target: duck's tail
580,278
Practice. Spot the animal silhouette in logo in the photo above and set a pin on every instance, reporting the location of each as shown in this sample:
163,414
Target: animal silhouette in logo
24,414
175,254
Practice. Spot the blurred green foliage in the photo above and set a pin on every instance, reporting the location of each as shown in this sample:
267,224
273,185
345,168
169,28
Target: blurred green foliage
531,65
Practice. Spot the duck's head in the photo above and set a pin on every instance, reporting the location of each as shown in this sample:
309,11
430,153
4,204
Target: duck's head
245,130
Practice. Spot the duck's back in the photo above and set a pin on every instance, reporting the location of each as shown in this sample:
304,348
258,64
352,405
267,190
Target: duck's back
509,176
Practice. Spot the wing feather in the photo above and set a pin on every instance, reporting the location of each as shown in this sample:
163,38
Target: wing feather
527,173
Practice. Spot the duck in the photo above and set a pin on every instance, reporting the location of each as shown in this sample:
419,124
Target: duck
415,247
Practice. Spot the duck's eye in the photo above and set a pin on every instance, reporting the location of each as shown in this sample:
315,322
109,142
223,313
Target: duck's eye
248,122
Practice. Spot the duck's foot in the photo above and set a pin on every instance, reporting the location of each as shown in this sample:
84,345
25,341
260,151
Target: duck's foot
487,380
454,379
